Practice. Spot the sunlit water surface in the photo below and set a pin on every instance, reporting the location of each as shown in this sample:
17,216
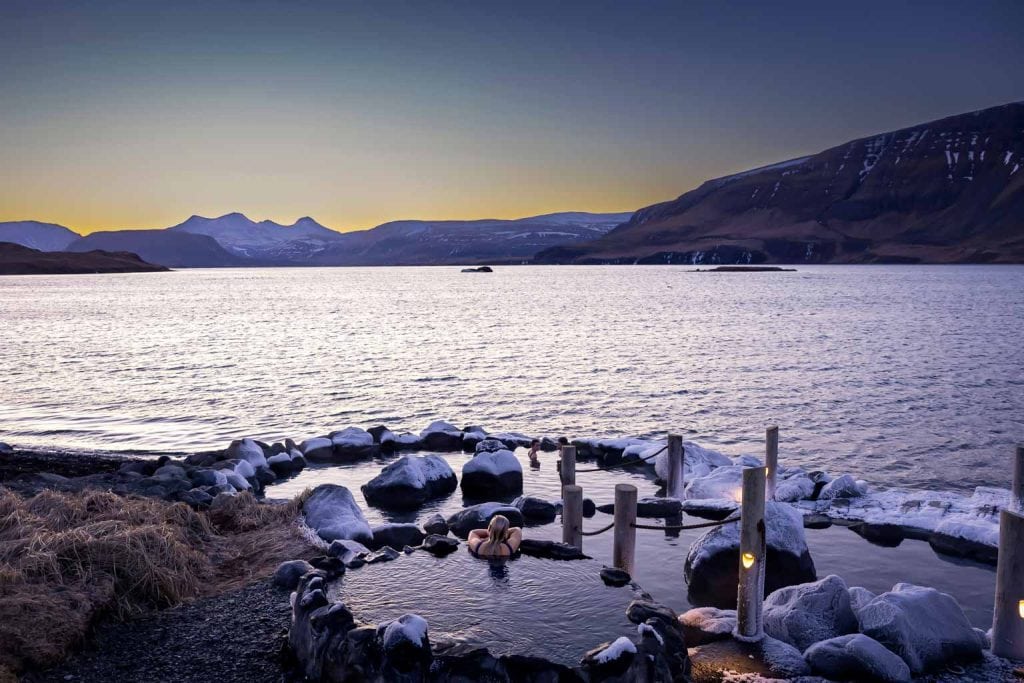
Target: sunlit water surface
907,376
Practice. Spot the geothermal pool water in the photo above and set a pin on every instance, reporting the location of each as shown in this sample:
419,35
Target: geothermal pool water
659,558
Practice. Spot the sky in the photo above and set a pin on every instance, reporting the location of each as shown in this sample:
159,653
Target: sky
138,114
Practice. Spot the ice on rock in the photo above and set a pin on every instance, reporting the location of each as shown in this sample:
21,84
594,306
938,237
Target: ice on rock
352,437
799,487
748,461
856,656
248,450
495,462
724,483
410,481
440,427
616,649
841,487
807,613
492,473
859,597
319,446
697,460
408,627
333,513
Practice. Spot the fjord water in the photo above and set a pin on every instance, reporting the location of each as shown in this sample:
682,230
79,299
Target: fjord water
902,375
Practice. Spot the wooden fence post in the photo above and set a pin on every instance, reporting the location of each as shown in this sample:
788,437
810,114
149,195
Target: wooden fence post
624,545
771,458
1017,492
676,477
568,466
750,592
1008,615
572,515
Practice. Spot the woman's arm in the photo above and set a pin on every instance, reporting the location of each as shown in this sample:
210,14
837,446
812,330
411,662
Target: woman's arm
515,538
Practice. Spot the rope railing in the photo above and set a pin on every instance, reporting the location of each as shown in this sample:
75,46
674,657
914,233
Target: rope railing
684,527
624,463
599,531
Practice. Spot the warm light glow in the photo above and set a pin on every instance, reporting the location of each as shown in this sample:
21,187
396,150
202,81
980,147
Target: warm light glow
748,562
1020,608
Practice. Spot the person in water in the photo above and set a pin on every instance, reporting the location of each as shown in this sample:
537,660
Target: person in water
500,539
534,453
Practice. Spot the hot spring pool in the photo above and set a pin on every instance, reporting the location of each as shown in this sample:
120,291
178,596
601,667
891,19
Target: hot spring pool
543,608
460,591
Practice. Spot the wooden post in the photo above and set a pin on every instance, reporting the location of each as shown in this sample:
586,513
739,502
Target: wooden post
674,486
572,515
568,465
771,458
1017,492
624,545
750,593
1008,615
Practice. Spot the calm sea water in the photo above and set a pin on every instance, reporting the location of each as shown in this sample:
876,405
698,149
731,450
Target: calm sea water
902,375
908,376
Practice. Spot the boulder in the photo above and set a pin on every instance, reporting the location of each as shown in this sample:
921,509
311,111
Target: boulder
615,577
856,657
207,477
492,474
319,448
841,487
332,512
378,433
926,628
352,442
551,550
197,499
385,554
406,648
346,548
697,460
288,573
478,516
707,624
441,436
808,613
489,446
767,658
332,567
287,463
436,544
248,450
610,660
409,482
396,536
724,483
799,487
658,507
436,524
170,471
712,564
6,448
859,597
535,510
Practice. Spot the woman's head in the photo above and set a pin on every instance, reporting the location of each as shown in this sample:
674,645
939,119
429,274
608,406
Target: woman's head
497,530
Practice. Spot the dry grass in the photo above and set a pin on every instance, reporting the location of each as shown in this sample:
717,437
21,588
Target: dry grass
69,558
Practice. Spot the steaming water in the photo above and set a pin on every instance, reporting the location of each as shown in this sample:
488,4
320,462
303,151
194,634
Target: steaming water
901,375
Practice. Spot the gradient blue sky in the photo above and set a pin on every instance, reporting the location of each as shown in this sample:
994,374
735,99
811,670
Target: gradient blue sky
138,114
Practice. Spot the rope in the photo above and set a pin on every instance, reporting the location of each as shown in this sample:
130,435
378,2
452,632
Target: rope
624,463
683,527
599,531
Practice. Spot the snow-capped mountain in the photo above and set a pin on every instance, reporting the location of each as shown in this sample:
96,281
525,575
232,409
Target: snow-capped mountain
947,191
263,241
36,235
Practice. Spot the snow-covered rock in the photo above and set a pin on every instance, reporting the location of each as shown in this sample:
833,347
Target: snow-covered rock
841,487
722,483
857,657
712,564
707,624
492,474
489,446
287,463
410,481
333,513
406,648
352,442
807,613
799,487
319,448
442,436
859,597
478,516
926,628
248,450
697,460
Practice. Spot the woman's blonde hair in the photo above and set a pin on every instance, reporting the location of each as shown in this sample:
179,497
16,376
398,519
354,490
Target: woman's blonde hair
497,530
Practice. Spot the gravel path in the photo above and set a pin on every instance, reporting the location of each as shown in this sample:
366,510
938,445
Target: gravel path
237,636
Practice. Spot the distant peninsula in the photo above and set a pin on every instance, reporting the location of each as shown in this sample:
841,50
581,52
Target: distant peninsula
18,260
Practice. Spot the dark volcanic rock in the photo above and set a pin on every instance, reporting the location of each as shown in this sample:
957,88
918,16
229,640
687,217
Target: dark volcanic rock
396,536
440,545
712,564
551,550
410,481
288,573
436,524
492,474
615,577
478,516
535,510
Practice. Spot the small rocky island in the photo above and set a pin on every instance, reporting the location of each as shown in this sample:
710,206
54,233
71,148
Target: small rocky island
478,269
746,269
18,260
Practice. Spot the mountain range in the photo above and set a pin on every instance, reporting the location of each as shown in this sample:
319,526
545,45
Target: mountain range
948,191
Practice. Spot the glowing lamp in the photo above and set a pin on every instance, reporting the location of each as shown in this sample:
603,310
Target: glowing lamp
748,562
1020,608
